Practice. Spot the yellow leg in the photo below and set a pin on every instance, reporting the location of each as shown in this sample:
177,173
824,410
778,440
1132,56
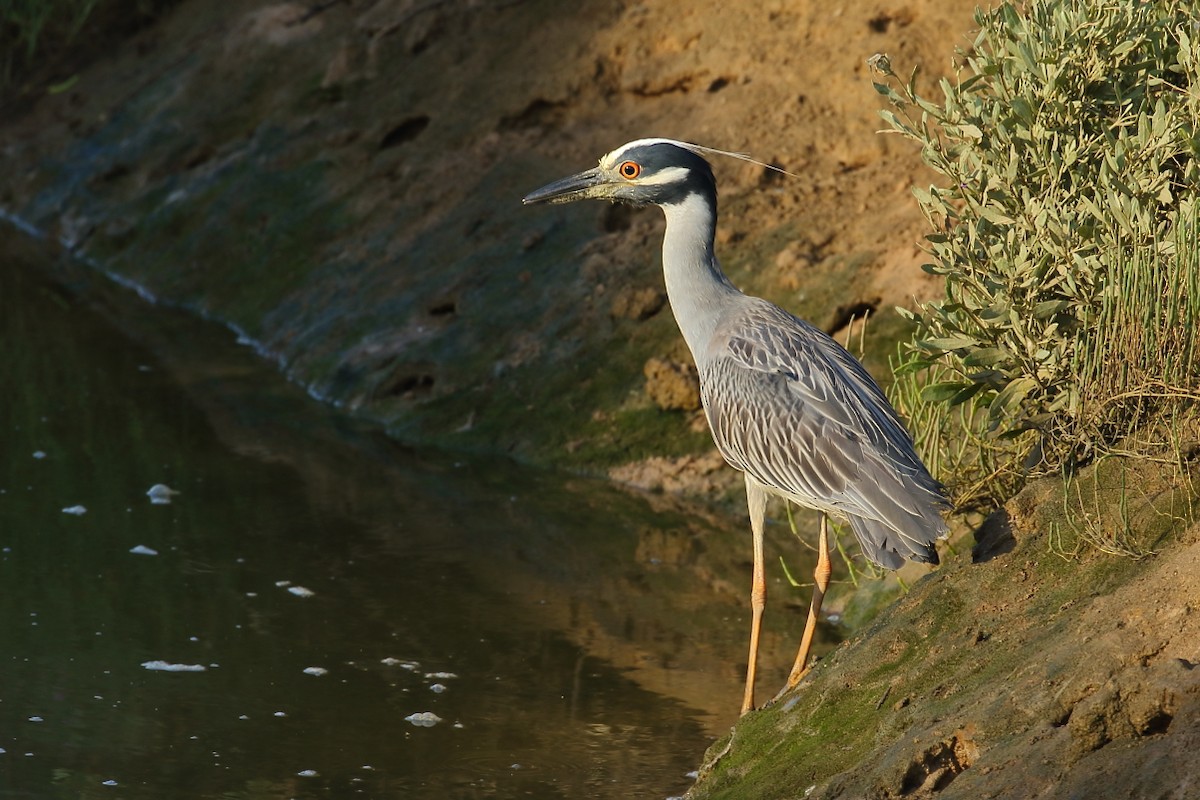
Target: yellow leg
820,584
756,501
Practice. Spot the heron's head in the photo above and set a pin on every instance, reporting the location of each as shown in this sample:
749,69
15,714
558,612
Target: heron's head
645,172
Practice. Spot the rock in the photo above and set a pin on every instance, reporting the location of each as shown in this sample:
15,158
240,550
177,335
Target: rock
671,385
637,304
1096,720
704,475
1137,702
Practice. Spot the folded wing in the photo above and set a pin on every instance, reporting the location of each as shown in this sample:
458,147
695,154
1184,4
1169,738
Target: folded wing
791,408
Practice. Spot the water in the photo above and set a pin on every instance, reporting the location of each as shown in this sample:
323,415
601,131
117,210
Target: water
308,587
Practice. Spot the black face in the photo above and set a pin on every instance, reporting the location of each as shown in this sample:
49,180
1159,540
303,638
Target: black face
669,173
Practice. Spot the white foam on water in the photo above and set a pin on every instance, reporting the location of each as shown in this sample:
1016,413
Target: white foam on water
166,666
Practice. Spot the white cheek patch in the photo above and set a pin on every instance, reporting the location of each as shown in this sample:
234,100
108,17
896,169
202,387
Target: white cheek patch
664,177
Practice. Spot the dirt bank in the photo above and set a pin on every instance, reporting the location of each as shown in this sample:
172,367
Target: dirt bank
1026,671
342,183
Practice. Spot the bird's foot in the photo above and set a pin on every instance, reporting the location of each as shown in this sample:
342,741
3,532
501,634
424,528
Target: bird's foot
794,679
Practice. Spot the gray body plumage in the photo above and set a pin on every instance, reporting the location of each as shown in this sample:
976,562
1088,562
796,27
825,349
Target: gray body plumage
787,405
799,415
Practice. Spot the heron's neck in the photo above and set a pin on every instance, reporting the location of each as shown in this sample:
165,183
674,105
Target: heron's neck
696,287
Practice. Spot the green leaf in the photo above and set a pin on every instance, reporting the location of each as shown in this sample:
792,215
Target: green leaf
986,356
1010,398
994,216
1048,308
1123,48
891,119
966,394
970,132
888,92
952,342
943,392
1022,109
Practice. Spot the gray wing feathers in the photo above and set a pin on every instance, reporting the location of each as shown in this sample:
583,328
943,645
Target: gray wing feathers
800,415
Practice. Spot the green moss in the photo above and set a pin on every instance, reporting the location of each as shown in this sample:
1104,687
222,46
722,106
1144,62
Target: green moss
587,412
261,236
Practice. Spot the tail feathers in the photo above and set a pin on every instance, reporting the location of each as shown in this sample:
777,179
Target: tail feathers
890,548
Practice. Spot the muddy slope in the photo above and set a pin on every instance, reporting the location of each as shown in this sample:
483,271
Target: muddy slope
341,182
1025,672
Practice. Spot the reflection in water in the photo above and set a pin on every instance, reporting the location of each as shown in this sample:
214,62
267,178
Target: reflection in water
286,615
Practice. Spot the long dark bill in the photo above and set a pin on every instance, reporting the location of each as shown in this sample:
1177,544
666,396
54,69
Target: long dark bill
575,187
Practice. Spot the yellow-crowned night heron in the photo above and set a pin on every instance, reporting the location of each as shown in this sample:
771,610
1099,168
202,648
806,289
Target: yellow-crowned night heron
787,405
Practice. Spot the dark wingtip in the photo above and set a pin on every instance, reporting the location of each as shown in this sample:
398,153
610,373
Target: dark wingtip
924,554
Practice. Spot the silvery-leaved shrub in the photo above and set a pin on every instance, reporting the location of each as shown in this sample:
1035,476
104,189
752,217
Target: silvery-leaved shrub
1064,225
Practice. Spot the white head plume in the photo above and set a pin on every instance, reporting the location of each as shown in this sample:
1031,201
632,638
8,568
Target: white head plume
614,157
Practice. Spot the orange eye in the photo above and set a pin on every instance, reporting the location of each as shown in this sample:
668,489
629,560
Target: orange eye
630,170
